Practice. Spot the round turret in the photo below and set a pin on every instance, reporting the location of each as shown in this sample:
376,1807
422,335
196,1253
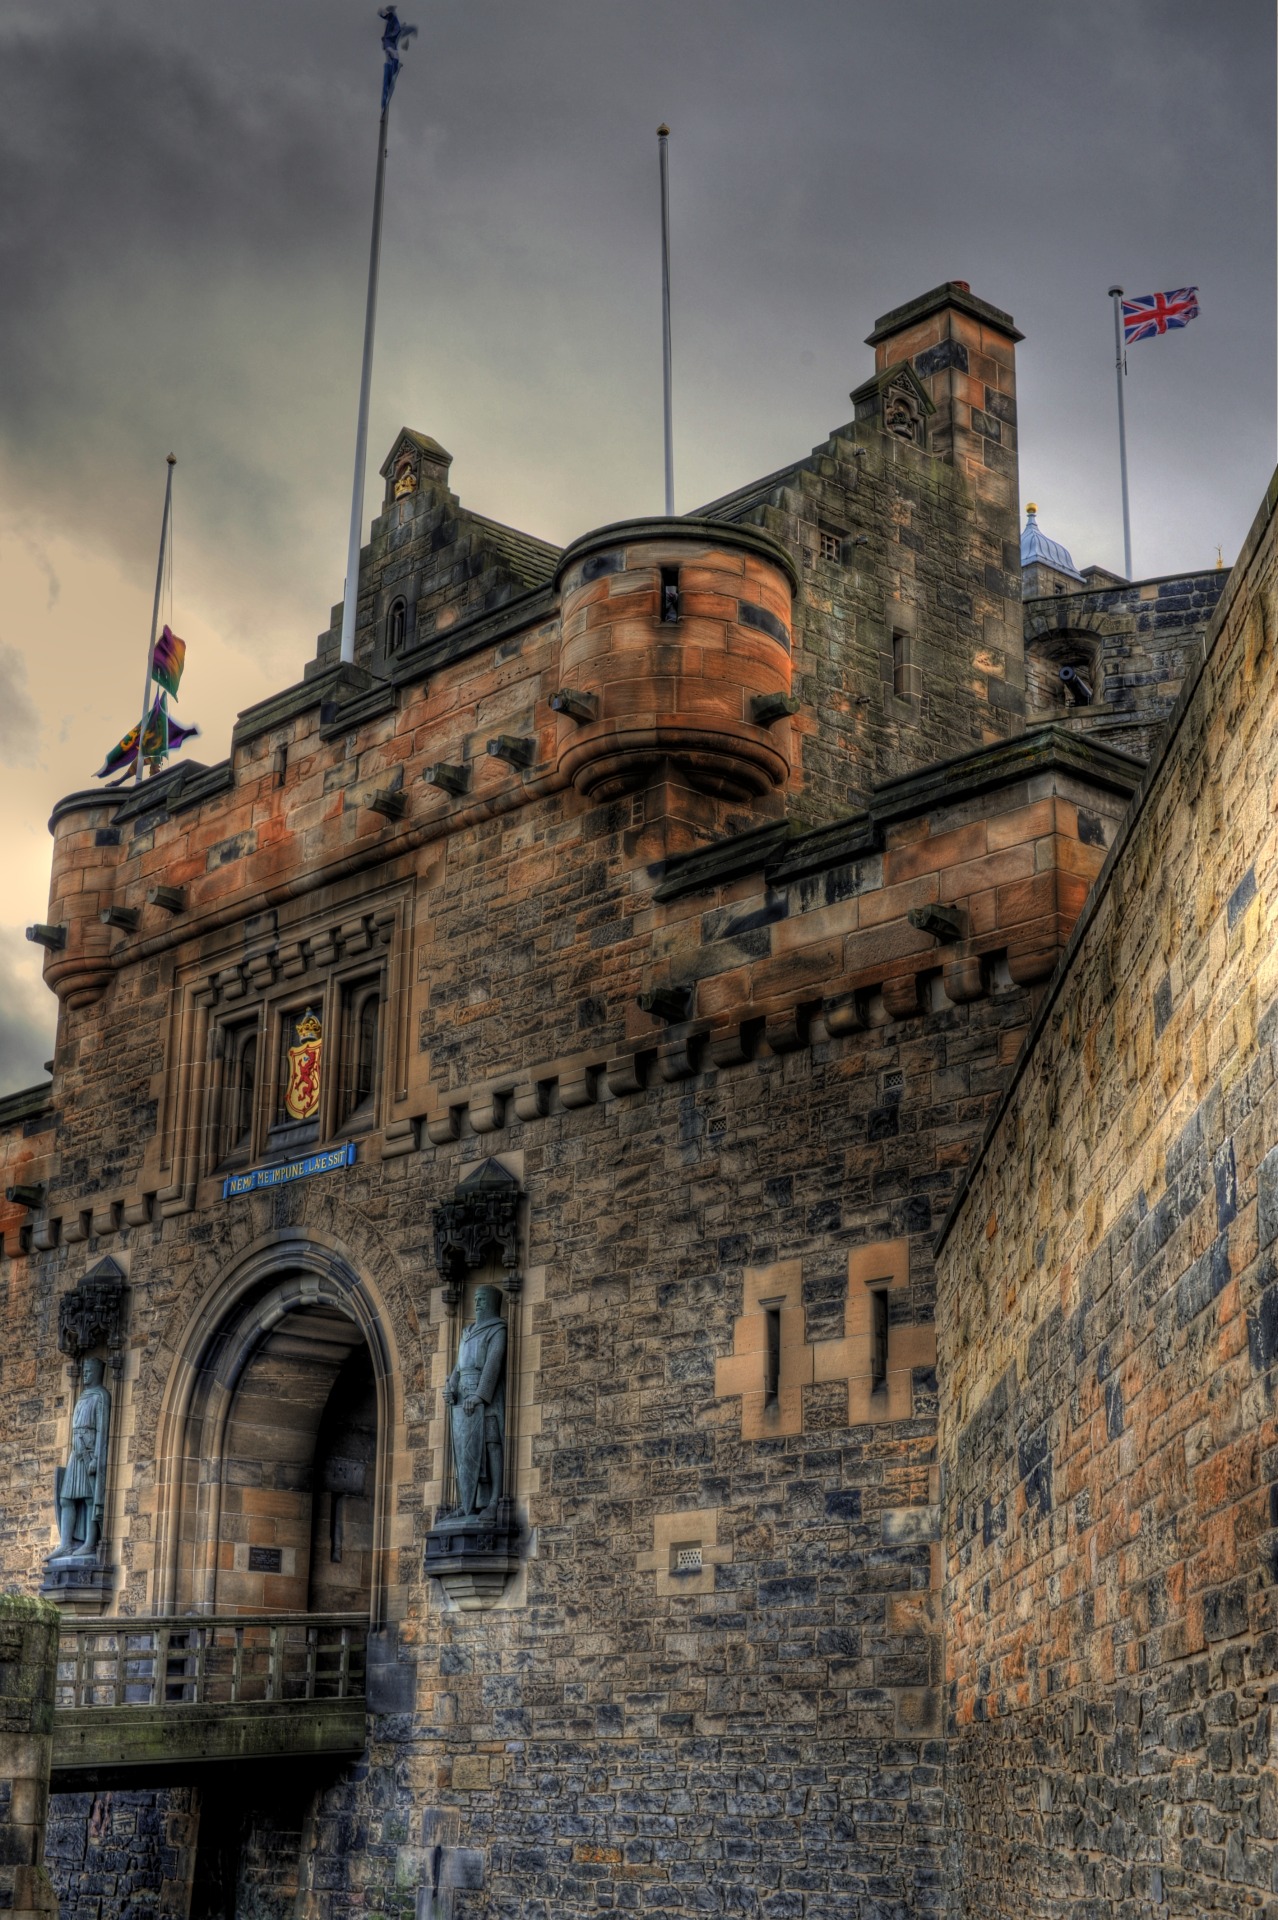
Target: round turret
85,854
676,648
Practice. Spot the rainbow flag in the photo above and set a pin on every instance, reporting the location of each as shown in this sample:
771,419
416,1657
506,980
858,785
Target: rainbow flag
170,658
163,736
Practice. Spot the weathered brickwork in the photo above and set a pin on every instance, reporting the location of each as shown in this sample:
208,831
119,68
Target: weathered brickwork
1106,1323
699,885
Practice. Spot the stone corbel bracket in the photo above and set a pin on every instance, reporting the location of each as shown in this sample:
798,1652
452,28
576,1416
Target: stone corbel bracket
847,1005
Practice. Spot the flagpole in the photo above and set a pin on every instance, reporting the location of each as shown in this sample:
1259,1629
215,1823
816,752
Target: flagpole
155,618
365,388
663,143
1116,295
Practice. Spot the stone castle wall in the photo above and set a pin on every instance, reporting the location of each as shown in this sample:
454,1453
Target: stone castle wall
1136,643
731,994
1107,1344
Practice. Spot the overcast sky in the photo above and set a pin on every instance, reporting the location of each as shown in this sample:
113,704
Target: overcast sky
185,191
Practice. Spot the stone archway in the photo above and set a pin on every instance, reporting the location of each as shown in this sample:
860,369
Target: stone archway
275,1440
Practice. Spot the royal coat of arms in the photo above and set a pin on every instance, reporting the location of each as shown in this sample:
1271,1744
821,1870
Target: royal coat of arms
302,1094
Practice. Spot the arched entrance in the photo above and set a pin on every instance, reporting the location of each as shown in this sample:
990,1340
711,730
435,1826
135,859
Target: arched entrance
274,1444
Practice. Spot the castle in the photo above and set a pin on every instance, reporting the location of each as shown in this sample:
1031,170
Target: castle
645,1281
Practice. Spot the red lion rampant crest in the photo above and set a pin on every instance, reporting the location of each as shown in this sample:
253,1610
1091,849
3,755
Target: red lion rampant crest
302,1094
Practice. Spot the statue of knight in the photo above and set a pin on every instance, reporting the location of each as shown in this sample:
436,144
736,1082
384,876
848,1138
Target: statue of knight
476,1397
81,1484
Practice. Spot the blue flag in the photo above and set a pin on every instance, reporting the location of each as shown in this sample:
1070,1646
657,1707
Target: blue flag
395,35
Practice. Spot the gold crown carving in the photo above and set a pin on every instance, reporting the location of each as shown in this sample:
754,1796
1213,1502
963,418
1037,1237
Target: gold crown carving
308,1027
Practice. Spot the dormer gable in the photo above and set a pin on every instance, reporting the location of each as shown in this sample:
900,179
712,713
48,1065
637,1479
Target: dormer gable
416,463
896,401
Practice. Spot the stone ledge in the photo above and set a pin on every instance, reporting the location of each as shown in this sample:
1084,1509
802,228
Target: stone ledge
119,1746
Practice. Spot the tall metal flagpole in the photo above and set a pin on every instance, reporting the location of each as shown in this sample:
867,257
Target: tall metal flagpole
396,33
155,617
663,143
1116,295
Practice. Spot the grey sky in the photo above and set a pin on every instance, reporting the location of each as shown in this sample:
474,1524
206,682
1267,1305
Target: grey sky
184,199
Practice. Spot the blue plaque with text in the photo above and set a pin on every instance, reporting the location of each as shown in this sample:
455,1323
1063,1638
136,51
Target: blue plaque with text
326,1162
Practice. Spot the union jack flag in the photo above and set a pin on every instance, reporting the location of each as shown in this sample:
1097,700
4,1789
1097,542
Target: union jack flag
1152,313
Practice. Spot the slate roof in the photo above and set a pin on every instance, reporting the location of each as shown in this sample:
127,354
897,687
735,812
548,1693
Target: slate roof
530,560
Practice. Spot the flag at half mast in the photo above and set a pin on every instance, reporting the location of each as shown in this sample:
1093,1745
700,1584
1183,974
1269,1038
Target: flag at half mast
1153,313
163,736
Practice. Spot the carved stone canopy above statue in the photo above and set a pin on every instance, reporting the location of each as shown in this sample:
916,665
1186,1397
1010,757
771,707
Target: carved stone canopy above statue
896,400
482,1219
93,1313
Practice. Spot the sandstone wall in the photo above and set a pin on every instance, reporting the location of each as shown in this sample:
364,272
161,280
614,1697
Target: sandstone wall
1107,1335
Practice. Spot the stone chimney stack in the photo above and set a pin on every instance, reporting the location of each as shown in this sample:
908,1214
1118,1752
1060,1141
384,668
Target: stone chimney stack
962,352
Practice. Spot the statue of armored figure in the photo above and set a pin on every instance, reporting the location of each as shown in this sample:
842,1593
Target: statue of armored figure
476,1396
82,1482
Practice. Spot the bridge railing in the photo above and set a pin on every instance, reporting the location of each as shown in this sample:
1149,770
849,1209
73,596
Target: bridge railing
211,1660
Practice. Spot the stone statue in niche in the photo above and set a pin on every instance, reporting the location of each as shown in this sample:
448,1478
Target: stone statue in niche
81,1483
405,481
476,1395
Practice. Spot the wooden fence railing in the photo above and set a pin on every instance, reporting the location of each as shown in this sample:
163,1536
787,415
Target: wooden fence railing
213,1660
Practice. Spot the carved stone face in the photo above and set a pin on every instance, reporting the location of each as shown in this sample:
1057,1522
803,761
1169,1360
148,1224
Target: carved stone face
91,1373
901,416
487,1303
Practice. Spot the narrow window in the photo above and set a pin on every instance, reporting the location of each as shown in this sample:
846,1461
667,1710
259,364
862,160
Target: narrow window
234,1131
669,595
831,544
359,1050
396,625
245,1089
902,677
772,1357
878,1338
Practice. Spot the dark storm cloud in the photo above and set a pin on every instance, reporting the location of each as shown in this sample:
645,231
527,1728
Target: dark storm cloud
186,191
184,200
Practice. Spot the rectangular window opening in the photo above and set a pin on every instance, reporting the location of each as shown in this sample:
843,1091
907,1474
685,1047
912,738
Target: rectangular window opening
772,1356
831,543
238,1049
878,1338
686,1559
361,1020
669,596
902,664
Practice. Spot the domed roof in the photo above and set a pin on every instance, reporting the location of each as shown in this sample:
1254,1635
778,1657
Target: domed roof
1037,548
